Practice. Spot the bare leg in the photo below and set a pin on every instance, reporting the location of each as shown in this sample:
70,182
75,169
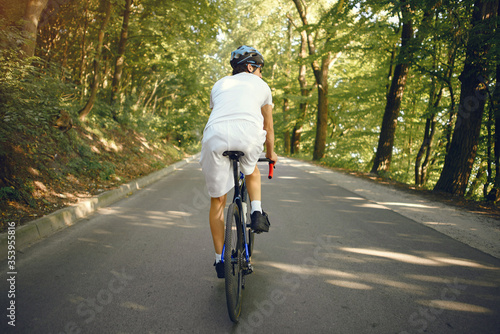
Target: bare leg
253,185
216,218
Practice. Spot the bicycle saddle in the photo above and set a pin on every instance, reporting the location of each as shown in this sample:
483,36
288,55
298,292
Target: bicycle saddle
233,155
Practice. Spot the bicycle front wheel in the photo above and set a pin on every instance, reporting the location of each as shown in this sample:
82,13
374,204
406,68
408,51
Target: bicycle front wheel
233,260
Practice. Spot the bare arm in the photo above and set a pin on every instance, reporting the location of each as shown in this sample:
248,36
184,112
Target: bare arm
267,112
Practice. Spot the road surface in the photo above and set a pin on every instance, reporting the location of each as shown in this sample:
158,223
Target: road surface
333,262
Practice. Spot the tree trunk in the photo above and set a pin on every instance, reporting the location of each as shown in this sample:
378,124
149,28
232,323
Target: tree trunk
460,158
322,118
81,70
120,59
421,168
304,92
425,147
477,181
494,194
286,134
34,9
489,145
97,62
157,84
427,161
383,157
321,76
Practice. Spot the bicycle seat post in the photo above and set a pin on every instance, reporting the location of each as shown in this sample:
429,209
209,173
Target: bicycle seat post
234,156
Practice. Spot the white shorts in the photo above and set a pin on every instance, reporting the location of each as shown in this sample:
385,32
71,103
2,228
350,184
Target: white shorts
224,136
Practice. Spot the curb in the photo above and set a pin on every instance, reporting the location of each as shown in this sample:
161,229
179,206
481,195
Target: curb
59,220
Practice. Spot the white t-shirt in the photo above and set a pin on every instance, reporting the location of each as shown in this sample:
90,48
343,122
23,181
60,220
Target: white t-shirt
239,97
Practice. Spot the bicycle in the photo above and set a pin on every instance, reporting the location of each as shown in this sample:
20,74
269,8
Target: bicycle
239,238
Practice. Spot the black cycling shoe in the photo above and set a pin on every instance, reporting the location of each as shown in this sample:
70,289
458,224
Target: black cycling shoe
260,222
219,268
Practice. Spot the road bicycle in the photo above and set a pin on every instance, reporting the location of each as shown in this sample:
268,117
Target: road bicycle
239,238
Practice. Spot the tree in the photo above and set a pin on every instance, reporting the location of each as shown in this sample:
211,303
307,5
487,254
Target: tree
304,92
440,78
34,9
320,71
97,62
495,106
475,80
383,155
120,57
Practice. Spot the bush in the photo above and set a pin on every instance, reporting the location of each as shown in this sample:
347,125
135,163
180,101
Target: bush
8,193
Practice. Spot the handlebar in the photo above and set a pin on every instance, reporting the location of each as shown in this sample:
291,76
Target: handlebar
271,166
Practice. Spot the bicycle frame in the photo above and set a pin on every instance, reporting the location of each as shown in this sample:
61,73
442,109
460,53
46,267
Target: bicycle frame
239,186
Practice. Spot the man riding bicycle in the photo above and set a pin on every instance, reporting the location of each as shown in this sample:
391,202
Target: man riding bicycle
241,120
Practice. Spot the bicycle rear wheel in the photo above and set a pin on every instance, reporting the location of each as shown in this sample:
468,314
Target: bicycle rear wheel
233,258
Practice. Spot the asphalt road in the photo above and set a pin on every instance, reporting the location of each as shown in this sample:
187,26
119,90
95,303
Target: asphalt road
333,262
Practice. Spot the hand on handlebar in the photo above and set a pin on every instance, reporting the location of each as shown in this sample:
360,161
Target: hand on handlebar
273,156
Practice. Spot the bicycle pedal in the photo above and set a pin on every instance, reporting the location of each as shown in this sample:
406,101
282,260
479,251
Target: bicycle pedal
248,270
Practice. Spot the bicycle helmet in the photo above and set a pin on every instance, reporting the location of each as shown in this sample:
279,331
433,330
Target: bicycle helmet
246,55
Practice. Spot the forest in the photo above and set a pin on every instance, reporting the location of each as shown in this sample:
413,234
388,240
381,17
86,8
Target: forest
404,89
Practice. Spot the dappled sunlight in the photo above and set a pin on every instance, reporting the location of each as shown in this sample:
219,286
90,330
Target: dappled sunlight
172,218
133,306
158,219
307,270
412,205
179,213
350,285
296,164
157,225
430,279
385,281
289,201
92,241
439,224
381,223
346,198
287,177
372,206
419,238
406,258
451,305
419,260
94,149
361,281
100,231
355,198
110,145
319,172
109,211
342,257
303,242
445,280
34,172
462,263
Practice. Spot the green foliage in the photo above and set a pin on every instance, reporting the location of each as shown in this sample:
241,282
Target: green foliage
9,193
